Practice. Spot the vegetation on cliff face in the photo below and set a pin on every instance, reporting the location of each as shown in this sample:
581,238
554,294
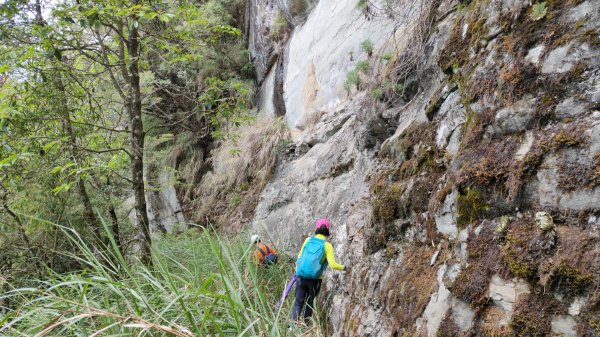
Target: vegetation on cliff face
511,130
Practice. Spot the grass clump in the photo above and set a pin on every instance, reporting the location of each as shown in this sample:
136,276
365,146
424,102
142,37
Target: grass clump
352,80
367,47
198,285
376,93
484,260
363,66
527,247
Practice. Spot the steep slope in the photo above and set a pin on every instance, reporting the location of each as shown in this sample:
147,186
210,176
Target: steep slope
466,198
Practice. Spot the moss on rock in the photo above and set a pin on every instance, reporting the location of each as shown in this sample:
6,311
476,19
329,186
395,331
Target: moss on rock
533,315
469,205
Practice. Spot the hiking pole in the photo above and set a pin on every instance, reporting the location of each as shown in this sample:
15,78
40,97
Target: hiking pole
286,291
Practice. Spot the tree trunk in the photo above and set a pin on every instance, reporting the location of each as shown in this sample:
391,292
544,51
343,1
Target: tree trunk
21,232
88,210
137,145
116,233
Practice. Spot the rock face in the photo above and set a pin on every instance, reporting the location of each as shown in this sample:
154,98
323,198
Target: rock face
164,210
460,170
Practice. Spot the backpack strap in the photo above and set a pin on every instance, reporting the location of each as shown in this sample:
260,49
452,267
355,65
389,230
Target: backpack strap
268,250
261,251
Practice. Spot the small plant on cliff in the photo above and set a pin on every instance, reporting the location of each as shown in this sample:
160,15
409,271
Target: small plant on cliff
377,93
367,46
352,79
539,11
279,25
362,66
362,5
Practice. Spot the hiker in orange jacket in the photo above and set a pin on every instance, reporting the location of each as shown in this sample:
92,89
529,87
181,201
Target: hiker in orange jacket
263,254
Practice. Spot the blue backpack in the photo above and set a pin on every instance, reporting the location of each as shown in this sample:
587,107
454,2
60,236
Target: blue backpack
309,263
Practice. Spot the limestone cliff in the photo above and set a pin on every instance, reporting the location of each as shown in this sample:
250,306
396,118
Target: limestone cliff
456,147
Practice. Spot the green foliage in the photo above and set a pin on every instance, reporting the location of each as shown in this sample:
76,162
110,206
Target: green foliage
362,4
367,47
279,25
377,93
399,88
539,11
469,206
387,56
362,66
64,112
352,79
199,284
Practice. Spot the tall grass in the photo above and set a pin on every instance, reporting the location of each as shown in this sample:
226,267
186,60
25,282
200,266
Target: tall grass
200,284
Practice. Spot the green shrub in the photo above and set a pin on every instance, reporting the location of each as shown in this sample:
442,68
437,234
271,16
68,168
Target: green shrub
367,46
377,93
362,66
352,79
387,56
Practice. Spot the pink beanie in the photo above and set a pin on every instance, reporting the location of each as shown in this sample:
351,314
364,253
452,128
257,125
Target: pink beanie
323,222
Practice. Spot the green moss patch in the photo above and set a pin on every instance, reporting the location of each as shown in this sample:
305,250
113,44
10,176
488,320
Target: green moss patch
526,247
469,205
576,265
533,315
407,292
483,261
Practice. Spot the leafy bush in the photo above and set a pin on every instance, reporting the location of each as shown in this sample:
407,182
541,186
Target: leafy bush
367,46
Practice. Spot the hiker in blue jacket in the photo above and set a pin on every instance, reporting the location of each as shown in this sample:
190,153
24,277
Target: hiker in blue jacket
314,257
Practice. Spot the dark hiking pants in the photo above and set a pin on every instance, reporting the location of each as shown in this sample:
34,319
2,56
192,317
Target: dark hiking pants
306,291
